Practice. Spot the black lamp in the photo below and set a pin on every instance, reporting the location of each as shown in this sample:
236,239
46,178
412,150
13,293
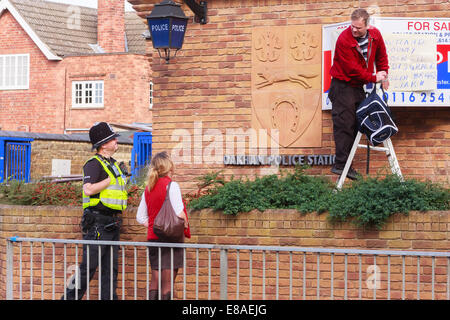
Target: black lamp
167,24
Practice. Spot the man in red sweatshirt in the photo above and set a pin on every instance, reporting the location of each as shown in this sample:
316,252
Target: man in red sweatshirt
359,50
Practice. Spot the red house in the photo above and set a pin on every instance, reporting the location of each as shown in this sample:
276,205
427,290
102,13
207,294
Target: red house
64,67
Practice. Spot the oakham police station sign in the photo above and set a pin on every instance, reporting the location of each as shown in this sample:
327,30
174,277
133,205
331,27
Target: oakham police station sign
280,160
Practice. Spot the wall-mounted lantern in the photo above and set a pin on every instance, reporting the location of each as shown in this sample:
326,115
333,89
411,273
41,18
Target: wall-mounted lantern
167,25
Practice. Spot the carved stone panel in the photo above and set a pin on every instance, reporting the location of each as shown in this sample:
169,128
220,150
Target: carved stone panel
286,77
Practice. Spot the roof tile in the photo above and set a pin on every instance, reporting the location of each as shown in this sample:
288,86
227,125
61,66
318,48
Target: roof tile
60,29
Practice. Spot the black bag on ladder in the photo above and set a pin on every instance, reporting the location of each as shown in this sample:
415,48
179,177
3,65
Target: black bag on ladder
374,118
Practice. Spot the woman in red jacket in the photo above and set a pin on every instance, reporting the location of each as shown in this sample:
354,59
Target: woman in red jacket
161,168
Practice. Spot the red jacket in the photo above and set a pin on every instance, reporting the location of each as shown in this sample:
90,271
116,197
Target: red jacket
154,200
349,64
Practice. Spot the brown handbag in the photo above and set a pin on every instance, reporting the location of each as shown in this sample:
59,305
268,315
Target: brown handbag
168,226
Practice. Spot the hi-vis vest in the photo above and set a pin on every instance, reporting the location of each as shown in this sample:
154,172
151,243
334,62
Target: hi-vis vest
114,196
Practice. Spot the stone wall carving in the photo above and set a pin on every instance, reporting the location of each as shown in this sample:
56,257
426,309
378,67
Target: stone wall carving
286,71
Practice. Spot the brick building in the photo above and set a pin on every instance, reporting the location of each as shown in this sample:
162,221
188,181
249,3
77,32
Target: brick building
64,67
206,98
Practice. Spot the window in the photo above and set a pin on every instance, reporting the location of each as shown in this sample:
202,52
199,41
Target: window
14,71
151,95
87,94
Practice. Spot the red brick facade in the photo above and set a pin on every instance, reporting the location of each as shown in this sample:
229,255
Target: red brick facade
126,84
40,108
111,25
47,105
210,82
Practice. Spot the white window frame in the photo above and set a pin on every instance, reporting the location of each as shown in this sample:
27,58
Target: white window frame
88,94
20,71
151,87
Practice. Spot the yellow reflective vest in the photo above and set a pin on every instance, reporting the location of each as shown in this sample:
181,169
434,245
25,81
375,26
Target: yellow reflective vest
114,196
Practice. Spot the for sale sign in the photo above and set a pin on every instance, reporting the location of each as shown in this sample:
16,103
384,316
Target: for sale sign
443,68
417,78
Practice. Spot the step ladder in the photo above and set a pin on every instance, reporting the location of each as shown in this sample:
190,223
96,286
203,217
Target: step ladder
388,147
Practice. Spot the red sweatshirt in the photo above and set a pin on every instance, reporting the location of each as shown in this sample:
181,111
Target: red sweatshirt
154,200
349,64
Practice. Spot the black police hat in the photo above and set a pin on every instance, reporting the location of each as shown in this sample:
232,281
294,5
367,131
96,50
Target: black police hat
100,133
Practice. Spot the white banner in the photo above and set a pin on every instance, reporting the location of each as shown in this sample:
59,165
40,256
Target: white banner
416,79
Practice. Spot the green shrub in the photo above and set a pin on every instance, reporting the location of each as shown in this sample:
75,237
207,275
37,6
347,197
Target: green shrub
371,201
368,202
41,193
50,193
290,190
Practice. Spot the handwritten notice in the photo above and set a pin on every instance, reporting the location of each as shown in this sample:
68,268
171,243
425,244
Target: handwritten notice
412,61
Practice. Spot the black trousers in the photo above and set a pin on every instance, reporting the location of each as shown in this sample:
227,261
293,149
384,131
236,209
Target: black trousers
95,230
345,100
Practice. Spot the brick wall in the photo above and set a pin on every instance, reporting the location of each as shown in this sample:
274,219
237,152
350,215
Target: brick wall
126,88
41,107
111,25
47,105
210,82
43,151
419,231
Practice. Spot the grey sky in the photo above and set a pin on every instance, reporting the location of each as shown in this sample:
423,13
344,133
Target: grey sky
89,3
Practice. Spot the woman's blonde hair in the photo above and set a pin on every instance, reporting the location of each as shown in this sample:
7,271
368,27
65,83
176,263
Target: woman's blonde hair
160,166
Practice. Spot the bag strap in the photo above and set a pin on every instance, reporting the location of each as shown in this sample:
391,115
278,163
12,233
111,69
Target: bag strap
168,190
384,96
368,157
385,99
374,90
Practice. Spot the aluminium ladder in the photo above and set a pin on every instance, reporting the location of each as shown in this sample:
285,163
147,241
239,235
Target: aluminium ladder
388,147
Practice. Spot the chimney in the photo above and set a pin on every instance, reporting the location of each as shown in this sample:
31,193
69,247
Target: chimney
111,25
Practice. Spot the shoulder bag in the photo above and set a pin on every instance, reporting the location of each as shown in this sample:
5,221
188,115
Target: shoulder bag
375,118
168,226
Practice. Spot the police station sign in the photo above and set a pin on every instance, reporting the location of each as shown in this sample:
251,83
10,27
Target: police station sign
419,81
279,160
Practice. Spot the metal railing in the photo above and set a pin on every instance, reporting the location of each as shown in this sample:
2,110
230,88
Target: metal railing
39,271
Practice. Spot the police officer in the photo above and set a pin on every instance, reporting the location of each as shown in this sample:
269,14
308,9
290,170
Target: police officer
104,199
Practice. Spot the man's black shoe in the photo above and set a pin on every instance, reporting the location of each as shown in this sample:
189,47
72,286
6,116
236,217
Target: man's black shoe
351,174
336,170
